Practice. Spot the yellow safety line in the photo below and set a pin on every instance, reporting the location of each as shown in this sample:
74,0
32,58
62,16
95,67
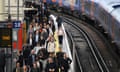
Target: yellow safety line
57,49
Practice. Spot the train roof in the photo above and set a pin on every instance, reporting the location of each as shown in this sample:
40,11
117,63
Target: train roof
115,8
116,14
109,3
112,7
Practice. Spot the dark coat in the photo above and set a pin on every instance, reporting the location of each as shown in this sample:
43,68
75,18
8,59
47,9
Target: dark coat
50,66
43,54
66,64
20,70
30,60
2,59
42,42
59,21
35,70
26,53
20,60
33,42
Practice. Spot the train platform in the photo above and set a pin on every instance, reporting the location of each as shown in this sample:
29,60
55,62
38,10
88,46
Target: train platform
65,47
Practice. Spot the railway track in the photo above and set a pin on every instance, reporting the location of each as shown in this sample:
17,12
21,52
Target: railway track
85,50
103,47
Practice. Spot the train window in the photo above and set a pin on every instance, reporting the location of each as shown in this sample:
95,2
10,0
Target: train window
14,35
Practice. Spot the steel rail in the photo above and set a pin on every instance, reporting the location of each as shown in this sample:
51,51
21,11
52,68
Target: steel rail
102,66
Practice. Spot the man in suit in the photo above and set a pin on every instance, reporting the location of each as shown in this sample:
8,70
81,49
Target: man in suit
37,37
18,68
31,58
31,41
26,53
51,66
2,60
66,63
20,58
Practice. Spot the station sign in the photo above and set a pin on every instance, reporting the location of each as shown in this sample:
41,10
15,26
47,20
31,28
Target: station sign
16,24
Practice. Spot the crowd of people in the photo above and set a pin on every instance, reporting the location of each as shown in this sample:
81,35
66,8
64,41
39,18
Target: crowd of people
38,55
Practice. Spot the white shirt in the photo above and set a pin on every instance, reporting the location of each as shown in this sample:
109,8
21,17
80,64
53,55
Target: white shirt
30,41
51,47
36,38
37,48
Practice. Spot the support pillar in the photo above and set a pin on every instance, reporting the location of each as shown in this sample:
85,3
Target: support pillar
1,10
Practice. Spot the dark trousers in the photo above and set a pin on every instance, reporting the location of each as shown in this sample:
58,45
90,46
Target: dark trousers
2,69
60,39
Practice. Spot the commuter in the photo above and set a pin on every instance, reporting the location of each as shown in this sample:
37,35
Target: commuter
53,22
60,35
59,21
51,25
59,56
48,14
40,54
31,58
25,69
44,34
51,66
30,30
42,11
37,19
37,37
2,60
42,42
51,46
49,30
41,29
31,41
26,53
20,58
34,68
18,68
48,39
39,64
66,63
36,27
45,25
37,48
40,14
44,53
46,31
